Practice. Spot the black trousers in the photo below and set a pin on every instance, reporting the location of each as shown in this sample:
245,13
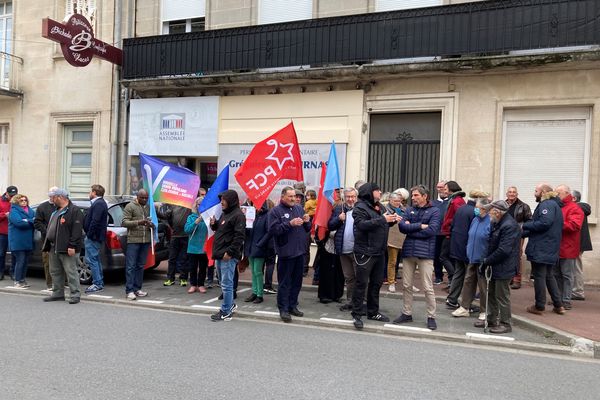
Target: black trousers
289,277
197,265
369,278
460,268
178,258
437,263
544,278
446,260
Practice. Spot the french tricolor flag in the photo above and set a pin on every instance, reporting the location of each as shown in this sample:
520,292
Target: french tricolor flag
211,206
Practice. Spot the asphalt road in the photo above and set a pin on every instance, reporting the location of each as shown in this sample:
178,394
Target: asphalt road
92,351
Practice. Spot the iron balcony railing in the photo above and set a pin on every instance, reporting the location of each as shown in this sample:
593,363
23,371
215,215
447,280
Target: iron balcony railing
480,28
10,73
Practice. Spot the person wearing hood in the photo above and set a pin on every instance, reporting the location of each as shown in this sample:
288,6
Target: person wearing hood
420,226
371,225
256,248
543,248
454,202
569,244
289,225
228,247
585,245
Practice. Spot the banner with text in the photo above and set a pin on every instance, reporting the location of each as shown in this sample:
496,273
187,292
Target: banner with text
168,183
313,155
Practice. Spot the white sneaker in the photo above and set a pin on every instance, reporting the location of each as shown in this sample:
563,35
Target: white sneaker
140,293
392,288
460,312
131,296
416,289
481,316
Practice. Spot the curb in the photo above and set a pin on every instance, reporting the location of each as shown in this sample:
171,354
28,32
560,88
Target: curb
571,342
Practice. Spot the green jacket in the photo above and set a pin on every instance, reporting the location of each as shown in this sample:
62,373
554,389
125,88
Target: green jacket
132,215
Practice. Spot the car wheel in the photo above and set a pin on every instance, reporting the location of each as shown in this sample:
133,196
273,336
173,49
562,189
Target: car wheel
84,271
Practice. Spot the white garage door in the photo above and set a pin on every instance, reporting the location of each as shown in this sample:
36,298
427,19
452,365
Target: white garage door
545,145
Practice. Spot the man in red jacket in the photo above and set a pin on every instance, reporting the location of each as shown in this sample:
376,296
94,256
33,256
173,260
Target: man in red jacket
569,244
4,210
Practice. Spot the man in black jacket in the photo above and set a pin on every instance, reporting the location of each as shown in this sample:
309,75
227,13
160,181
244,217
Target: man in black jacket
63,241
42,217
371,227
176,216
503,259
228,247
95,224
521,212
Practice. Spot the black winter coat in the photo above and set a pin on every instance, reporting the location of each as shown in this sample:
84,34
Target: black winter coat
586,241
69,230
459,231
503,248
370,227
256,244
230,229
42,217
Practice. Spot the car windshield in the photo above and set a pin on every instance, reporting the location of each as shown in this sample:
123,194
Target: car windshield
115,215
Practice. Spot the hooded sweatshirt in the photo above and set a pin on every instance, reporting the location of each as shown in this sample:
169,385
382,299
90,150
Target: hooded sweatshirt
370,227
230,229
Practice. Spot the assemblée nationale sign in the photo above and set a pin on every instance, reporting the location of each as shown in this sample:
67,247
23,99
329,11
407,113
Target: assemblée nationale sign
77,41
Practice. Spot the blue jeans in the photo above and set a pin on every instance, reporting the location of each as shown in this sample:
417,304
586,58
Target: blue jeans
136,255
3,250
92,258
22,258
226,270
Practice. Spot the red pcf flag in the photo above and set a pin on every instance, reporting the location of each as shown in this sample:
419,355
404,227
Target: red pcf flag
275,158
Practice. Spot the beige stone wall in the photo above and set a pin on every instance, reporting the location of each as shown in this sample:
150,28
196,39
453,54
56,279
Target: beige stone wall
54,90
481,102
318,118
222,14
333,8
147,18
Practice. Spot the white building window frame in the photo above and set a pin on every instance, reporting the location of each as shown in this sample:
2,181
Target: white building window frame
446,103
541,113
57,142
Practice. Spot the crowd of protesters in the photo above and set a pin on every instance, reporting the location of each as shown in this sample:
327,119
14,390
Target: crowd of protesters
369,238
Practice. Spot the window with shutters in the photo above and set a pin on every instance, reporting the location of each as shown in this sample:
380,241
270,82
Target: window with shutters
274,11
182,16
391,5
87,8
545,145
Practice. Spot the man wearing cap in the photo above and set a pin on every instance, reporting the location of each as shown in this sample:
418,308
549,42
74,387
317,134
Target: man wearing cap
63,242
4,211
503,259
544,232
42,217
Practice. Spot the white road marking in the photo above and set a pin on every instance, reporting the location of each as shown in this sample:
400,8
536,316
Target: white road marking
407,328
150,301
100,296
493,337
267,312
206,307
345,321
244,290
211,300
16,288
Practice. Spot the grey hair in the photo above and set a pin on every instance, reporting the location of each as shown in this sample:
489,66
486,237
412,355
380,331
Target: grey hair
350,189
359,183
394,196
577,195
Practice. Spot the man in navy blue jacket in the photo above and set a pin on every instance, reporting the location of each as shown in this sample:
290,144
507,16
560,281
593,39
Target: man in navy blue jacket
96,221
288,224
421,224
544,232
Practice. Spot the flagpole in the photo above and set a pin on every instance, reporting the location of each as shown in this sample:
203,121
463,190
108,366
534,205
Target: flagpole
152,239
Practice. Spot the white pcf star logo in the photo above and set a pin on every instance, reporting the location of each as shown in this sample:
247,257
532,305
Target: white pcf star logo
276,146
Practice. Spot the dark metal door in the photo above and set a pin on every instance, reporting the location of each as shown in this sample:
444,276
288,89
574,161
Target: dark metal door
409,158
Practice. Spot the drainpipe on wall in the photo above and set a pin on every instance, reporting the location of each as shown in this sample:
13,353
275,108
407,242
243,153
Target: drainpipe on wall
116,108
